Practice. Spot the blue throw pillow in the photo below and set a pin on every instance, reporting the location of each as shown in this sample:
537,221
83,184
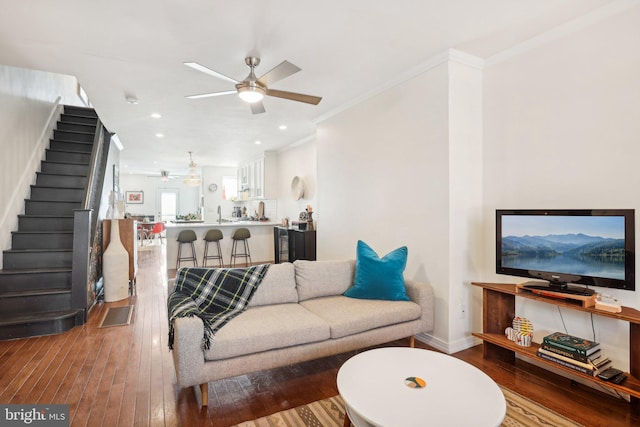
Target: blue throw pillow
377,278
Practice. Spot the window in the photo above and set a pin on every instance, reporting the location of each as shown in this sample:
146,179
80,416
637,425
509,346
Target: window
168,204
229,188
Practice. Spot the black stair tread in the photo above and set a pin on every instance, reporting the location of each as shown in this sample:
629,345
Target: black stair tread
57,188
79,107
43,232
67,122
73,113
35,292
35,271
42,316
35,216
69,152
71,141
55,201
60,162
77,127
66,141
75,131
60,174
75,119
26,251
52,201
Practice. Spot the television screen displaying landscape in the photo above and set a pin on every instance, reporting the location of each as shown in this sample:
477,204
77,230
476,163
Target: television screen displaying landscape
581,245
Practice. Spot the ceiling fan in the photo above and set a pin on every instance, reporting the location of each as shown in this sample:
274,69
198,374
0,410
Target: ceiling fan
253,89
164,176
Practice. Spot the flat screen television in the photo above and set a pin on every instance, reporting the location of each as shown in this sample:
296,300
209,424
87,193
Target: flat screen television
564,247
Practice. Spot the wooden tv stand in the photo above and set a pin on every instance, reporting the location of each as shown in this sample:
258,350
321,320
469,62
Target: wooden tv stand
498,311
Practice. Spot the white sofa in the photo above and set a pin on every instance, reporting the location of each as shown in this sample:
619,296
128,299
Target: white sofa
298,313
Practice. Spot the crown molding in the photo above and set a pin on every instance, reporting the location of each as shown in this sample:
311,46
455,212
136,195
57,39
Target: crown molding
563,30
297,143
449,55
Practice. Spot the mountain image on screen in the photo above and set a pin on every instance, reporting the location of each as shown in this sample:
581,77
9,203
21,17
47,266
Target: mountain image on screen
571,253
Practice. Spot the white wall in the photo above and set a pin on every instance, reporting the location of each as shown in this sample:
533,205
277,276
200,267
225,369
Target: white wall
385,177
466,236
188,199
562,125
28,112
299,160
213,175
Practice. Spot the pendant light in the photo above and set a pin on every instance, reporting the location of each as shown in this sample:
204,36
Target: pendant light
193,180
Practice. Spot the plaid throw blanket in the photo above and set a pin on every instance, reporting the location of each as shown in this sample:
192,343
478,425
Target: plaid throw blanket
216,295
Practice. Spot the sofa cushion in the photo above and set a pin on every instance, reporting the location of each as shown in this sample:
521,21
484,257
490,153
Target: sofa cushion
265,328
323,278
379,278
348,316
277,287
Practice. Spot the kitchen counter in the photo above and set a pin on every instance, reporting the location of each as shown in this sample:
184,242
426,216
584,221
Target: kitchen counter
237,224
260,243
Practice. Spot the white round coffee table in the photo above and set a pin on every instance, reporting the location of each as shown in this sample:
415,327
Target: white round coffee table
372,385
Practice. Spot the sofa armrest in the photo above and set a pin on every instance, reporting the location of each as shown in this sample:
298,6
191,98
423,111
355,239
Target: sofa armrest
422,294
188,355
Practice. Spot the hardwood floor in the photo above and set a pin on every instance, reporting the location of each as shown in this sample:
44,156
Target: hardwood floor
124,376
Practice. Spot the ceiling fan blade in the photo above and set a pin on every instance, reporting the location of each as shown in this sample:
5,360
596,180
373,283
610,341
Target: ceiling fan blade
209,71
279,72
257,107
208,95
309,99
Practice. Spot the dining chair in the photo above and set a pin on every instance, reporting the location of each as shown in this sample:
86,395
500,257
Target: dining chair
157,230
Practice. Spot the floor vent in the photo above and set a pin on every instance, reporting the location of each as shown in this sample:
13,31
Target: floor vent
117,316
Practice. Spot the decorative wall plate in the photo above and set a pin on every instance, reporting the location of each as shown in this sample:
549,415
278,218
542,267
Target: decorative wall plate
297,188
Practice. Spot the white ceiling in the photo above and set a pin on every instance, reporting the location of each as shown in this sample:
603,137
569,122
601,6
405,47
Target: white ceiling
346,49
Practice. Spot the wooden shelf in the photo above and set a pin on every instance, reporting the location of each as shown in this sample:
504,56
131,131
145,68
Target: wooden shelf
630,386
498,311
627,314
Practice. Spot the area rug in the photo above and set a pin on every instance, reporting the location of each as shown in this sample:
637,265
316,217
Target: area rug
521,412
117,316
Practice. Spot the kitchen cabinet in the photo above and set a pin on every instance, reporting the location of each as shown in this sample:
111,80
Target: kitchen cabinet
243,176
258,177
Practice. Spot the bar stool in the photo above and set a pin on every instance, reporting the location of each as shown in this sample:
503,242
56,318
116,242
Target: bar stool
213,235
240,234
186,237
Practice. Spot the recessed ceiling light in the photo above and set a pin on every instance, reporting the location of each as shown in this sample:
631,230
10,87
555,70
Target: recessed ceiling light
258,142
131,99
156,115
282,127
160,135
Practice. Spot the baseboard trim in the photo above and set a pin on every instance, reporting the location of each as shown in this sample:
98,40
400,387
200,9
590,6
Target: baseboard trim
447,347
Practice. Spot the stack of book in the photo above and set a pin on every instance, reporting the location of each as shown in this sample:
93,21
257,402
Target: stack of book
575,353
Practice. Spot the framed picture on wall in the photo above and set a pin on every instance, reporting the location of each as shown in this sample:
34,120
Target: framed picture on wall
134,197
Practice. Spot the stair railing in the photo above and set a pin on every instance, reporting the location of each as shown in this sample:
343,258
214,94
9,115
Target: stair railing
85,223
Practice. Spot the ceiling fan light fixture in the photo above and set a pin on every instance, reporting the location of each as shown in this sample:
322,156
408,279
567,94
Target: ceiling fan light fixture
251,93
252,89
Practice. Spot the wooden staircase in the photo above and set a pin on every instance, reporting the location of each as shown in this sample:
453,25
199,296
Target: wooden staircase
35,285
